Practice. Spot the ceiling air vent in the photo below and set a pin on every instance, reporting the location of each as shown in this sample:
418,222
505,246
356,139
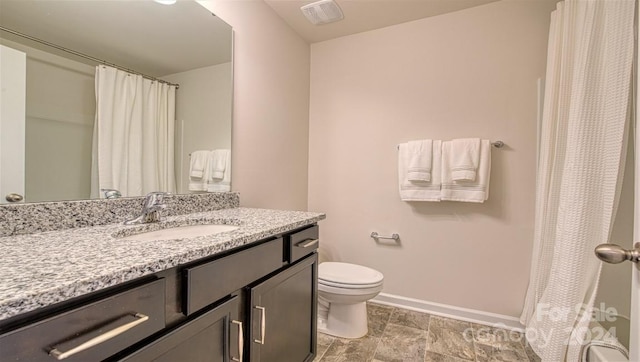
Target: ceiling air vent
322,12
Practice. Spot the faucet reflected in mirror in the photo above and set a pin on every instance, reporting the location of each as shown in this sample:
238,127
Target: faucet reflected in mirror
111,193
60,115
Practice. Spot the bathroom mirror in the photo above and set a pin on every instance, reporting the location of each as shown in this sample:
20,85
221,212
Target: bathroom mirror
183,43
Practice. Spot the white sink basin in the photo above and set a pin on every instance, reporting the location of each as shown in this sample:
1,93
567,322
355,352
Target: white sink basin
181,232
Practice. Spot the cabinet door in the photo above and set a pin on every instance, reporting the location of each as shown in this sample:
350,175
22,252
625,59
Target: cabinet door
283,315
214,336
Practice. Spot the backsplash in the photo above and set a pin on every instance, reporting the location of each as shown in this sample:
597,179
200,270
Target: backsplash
17,219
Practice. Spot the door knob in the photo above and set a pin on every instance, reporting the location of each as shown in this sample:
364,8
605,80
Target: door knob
614,254
13,197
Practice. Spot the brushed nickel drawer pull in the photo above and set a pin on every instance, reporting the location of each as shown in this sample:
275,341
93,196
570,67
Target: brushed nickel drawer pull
240,342
263,323
307,243
99,339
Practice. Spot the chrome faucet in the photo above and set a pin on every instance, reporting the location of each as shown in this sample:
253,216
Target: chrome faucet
111,193
151,209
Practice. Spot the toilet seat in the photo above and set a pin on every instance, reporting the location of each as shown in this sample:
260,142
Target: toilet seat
340,293
345,275
348,286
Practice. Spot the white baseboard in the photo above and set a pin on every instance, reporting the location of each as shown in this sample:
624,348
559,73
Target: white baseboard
449,311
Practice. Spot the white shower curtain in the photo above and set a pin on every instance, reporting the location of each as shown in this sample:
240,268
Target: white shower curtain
581,162
133,138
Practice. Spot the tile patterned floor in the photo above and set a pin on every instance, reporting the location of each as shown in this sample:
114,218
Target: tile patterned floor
400,335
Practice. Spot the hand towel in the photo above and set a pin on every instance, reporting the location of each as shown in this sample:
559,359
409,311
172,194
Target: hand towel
419,190
198,163
464,158
223,184
218,164
420,160
199,183
466,191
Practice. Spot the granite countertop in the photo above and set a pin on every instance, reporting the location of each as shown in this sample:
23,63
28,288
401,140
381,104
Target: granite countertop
45,268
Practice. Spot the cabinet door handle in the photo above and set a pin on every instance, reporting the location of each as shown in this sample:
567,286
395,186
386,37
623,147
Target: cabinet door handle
99,339
240,342
263,322
307,243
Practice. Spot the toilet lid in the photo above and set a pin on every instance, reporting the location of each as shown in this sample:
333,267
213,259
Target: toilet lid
351,274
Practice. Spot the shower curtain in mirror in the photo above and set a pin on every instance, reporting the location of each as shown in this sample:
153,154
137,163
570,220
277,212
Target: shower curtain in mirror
580,169
133,137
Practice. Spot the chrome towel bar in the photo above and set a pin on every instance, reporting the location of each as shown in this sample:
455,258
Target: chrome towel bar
496,144
393,236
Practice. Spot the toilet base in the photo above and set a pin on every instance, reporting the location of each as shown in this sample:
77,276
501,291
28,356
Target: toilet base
346,320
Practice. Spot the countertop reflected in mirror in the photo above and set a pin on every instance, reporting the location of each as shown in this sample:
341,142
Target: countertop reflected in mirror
184,44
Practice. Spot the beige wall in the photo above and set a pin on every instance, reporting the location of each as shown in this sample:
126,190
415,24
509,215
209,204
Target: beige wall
471,73
271,106
203,114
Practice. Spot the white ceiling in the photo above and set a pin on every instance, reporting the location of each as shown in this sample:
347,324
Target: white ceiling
158,40
141,35
364,15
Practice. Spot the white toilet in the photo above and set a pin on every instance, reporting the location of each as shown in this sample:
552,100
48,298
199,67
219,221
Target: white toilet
343,290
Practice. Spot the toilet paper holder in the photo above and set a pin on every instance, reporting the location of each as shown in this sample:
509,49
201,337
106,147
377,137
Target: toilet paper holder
375,235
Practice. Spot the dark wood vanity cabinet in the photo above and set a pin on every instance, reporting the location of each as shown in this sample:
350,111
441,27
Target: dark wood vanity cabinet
255,303
127,316
283,314
208,337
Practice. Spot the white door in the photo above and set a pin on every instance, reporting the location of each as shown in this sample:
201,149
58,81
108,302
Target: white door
634,339
615,254
634,342
12,123
634,314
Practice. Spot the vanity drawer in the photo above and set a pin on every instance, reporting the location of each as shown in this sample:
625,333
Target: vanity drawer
127,317
302,243
207,283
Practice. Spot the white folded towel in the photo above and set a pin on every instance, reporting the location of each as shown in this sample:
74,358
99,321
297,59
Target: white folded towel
464,158
466,191
419,190
198,163
218,164
199,177
222,184
420,155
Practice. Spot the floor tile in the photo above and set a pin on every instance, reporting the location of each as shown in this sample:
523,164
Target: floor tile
320,351
495,337
437,357
324,342
410,318
452,324
399,335
378,317
451,338
351,350
533,357
506,352
401,343
325,339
